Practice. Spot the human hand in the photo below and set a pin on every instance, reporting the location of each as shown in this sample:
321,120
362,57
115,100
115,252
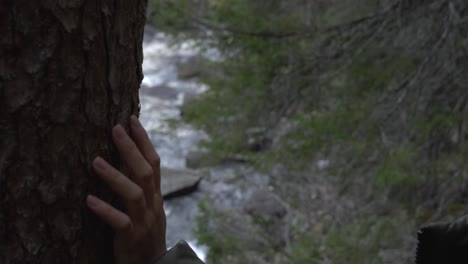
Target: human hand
140,233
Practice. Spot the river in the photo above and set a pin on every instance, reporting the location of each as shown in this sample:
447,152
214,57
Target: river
162,96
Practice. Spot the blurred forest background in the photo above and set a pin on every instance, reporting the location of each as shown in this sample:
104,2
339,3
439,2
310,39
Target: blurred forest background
357,110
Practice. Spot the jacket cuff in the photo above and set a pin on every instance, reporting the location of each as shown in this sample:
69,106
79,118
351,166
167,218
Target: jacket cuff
443,243
179,254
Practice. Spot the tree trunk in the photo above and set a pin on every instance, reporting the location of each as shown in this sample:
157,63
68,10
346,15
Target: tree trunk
69,71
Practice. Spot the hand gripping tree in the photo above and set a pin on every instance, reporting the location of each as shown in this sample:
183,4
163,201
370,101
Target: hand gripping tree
69,71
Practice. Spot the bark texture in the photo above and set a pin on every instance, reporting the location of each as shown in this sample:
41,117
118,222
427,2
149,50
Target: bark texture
69,71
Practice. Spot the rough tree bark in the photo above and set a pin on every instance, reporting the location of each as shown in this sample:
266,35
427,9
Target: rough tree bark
69,71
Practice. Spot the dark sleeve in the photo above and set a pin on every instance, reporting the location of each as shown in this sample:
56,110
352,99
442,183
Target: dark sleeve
179,254
443,243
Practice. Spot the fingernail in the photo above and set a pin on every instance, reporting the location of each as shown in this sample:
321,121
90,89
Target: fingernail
92,201
119,131
100,164
135,122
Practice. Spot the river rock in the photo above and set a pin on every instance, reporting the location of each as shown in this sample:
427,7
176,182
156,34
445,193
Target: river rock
177,182
163,92
191,67
197,159
265,204
283,127
187,99
234,224
239,230
270,214
257,139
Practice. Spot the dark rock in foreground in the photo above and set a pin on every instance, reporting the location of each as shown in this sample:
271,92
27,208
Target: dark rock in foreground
177,182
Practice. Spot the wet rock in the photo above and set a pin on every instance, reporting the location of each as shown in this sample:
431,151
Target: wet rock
270,214
191,68
236,229
255,257
188,98
257,139
238,233
235,225
161,91
197,159
323,164
264,203
283,127
176,182
150,33
257,144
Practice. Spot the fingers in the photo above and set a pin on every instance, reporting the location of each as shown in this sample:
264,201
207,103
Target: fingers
144,144
113,217
131,193
143,162
142,172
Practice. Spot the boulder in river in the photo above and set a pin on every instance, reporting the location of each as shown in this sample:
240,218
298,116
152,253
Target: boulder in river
266,204
270,214
187,99
178,182
191,67
198,159
163,92
257,139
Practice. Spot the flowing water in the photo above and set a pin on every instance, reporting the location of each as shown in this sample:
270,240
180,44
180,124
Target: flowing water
162,95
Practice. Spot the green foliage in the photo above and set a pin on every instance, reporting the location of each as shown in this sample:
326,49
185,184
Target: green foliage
361,242
317,129
305,251
442,119
395,142
357,242
170,16
397,168
244,16
345,11
220,246
235,101
375,69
